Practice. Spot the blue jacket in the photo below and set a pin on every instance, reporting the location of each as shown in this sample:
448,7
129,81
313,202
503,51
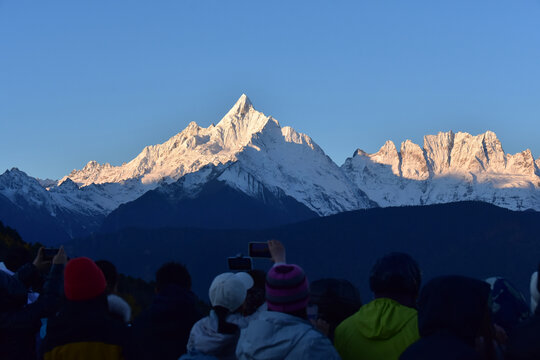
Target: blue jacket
274,335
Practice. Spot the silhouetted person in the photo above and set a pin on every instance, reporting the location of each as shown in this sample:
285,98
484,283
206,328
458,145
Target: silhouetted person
524,340
16,257
83,328
385,327
162,331
20,321
117,306
453,321
335,300
255,298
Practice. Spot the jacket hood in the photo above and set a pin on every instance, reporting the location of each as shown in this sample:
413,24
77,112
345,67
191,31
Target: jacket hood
282,330
535,294
454,304
383,318
119,307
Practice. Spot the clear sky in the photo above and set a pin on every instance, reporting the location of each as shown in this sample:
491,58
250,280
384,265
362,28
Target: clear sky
99,80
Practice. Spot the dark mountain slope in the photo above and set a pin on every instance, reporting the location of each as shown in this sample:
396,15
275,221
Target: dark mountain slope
34,225
215,206
470,238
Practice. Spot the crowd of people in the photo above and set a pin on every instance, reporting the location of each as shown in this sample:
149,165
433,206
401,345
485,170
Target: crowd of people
56,309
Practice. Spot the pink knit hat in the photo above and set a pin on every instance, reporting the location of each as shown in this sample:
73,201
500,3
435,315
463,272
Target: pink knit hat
287,288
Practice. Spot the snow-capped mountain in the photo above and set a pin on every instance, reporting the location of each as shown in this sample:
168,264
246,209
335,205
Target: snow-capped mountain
450,167
252,153
62,213
248,156
261,150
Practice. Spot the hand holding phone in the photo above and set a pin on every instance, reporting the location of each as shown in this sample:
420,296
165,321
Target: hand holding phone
49,253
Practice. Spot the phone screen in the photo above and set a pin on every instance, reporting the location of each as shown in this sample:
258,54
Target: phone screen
48,254
259,250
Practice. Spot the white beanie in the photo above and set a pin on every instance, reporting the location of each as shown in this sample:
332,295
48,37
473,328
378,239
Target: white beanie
535,295
229,290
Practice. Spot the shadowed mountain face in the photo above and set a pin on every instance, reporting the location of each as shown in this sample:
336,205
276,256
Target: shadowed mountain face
468,238
215,205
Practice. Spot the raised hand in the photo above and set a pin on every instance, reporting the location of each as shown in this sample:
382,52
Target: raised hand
278,251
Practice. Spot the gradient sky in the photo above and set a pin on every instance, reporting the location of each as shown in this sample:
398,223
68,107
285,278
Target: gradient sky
99,80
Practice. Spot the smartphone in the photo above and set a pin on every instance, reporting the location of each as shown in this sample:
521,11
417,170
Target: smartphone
259,250
241,263
49,253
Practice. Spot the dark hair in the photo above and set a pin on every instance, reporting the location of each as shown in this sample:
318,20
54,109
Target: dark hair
256,296
16,257
336,300
224,327
109,270
173,273
395,273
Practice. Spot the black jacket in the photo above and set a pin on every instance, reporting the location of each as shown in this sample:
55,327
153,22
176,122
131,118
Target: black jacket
19,322
451,313
85,330
162,331
524,340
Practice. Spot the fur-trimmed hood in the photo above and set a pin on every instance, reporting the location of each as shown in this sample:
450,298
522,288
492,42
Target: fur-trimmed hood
119,308
535,294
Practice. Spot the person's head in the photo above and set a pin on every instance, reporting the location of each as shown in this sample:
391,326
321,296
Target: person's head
173,273
456,305
229,290
335,300
396,276
287,290
256,295
227,295
111,275
83,280
16,257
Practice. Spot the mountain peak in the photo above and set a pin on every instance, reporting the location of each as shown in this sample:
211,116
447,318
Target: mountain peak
360,152
242,105
15,172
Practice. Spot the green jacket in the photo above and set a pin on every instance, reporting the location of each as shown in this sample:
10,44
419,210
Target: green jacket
380,330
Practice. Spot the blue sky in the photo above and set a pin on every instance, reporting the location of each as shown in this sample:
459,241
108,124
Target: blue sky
99,80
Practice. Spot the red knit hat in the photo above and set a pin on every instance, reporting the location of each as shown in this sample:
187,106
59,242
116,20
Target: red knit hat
83,280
